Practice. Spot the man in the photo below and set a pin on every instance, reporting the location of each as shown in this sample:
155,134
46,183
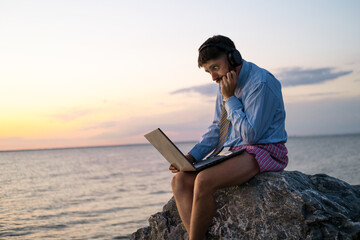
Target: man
250,115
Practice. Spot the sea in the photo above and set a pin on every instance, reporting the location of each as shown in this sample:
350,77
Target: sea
109,192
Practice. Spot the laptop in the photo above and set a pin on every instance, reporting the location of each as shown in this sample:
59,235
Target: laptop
175,157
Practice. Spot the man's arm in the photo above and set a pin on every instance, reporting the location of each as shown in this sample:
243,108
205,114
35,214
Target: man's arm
210,139
261,104
253,122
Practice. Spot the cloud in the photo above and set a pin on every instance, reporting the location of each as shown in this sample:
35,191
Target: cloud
323,94
288,77
206,90
302,118
299,76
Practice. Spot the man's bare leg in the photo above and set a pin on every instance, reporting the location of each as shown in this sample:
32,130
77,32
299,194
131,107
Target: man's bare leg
234,171
183,189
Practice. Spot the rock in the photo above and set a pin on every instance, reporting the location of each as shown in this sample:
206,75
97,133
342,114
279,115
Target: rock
274,205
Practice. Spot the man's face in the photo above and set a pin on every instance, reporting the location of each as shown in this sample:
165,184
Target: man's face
217,68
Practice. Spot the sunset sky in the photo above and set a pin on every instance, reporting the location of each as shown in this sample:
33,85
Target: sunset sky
86,73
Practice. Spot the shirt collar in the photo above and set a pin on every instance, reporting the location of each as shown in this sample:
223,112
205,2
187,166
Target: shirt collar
244,72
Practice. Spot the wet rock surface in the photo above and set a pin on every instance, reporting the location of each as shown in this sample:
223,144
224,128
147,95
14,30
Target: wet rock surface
278,205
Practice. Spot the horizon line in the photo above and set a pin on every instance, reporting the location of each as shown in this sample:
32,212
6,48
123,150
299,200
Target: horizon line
132,144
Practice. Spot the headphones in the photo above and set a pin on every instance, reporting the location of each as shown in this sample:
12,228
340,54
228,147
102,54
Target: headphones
233,55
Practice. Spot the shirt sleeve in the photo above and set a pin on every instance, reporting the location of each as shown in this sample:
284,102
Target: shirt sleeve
252,121
210,139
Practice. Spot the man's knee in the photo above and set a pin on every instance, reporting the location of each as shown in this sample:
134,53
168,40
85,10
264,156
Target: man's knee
204,184
182,181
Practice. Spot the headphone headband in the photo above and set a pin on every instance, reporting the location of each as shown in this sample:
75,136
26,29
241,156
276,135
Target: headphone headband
233,55
219,45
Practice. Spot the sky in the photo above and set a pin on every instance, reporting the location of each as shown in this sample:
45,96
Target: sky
88,73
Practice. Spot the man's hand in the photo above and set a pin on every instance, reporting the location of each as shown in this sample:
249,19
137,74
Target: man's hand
228,84
173,169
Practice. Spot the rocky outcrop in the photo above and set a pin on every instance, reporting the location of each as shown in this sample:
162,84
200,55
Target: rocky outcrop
282,205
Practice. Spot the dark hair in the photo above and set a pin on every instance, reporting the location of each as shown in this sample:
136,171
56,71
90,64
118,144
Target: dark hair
213,52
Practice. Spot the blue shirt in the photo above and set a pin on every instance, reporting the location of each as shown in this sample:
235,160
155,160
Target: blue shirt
256,113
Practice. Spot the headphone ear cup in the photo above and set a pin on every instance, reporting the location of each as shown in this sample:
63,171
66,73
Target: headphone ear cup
234,58
230,58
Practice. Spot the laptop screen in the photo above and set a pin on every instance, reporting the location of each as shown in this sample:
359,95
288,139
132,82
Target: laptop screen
169,150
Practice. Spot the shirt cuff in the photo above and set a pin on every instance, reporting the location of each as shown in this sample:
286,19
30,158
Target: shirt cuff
196,155
233,103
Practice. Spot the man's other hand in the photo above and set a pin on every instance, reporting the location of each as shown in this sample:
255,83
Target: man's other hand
173,169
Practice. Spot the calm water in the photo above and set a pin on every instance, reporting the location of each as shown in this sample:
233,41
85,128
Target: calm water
109,192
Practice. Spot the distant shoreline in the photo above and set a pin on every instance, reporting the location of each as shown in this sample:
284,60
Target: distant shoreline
178,142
